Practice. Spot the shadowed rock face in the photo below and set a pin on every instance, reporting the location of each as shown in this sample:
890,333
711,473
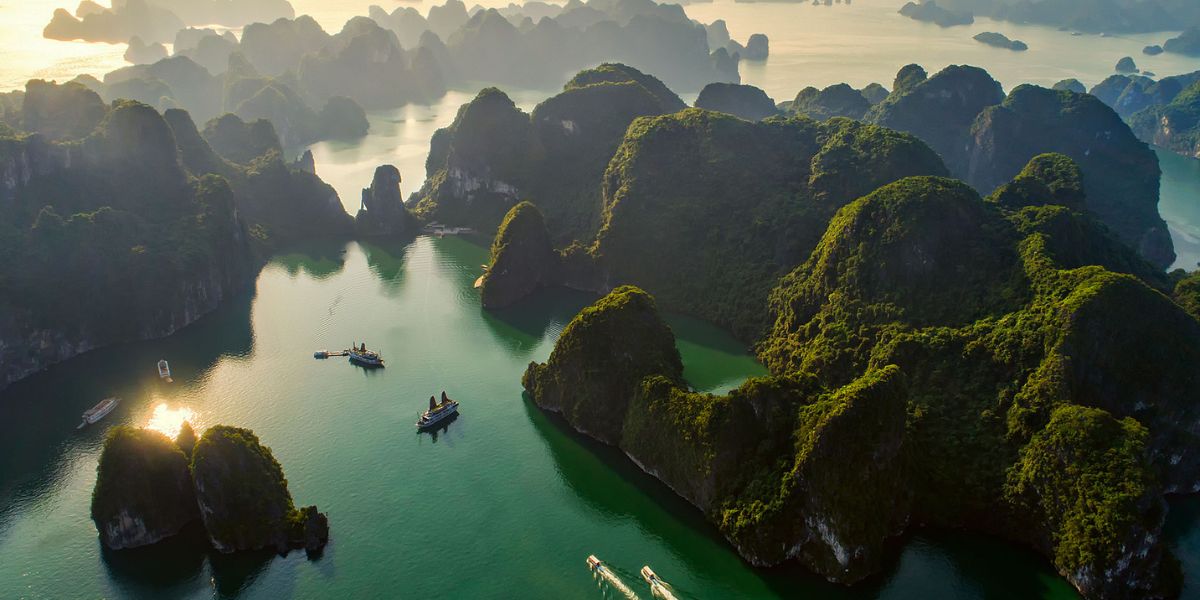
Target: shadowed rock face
143,489
1120,173
149,487
986,139
383,212
522,258
243,496
745,101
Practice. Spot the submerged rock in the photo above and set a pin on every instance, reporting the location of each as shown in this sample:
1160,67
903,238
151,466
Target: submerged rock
143,490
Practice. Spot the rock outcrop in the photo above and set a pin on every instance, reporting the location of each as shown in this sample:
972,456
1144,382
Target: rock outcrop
929,12
523,258
243,496
143,489
938,360
1186,43
149,487
745,101
383,212
838,100
1120,172
1174,125
494,155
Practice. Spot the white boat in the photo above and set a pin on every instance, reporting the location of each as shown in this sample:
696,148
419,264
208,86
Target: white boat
437,412
164,371
367,358
594,563
98,411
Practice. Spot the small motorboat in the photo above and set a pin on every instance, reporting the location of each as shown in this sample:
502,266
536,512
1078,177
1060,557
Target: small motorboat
321,354
657,586
164,371
98,411
594,563
437,412
361,356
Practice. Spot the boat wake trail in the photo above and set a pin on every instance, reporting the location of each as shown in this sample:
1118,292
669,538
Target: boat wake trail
607,578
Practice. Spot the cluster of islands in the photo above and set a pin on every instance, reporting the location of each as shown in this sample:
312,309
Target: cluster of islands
960,292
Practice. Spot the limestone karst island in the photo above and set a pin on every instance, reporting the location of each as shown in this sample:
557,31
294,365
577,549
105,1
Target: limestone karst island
600,299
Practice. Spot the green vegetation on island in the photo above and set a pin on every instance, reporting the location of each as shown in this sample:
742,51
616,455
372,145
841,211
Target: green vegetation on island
1008,366
149,487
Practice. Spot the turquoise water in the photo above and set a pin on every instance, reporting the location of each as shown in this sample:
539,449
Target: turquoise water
1179,205
504,502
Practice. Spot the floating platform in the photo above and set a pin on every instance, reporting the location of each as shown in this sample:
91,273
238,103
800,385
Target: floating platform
329,353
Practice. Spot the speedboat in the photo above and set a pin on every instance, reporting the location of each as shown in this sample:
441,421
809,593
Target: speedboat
594,563
657,586
98,411
437,412
650,577
361,356
164,371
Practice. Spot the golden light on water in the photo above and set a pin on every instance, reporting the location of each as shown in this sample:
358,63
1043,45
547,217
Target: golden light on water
170,420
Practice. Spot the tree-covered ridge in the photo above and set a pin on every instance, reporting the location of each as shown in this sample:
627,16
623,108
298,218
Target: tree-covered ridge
494,155
745,203
938,359
522,258
1175,125
133,229
986,138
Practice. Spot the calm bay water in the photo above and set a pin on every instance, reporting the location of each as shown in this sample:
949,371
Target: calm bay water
506,495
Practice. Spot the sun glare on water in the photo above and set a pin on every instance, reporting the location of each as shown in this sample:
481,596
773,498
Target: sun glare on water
169,420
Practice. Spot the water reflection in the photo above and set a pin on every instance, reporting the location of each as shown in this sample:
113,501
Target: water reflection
42,411
169,421
319,260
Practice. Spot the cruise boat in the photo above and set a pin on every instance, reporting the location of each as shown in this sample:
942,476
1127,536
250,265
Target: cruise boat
164,371
437,412
361,356
98,411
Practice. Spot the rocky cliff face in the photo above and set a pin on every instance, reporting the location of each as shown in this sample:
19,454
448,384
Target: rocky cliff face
1174,125
745,101
494,155
149,487
522,258
243,496
986,138
143,489
1120,173
383,212
937,360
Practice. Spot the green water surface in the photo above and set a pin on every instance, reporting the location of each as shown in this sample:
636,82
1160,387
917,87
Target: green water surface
505,502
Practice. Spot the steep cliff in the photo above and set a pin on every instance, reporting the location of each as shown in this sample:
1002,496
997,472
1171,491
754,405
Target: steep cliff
143,490
1175,125
937,360
383,212
522,258
495,155
745,101
243,496
1120,173
745,203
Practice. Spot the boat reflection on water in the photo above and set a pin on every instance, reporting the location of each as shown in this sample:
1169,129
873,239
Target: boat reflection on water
439,416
